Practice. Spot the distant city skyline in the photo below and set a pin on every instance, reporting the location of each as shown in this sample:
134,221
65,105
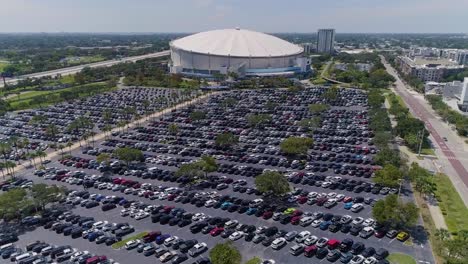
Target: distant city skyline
300,16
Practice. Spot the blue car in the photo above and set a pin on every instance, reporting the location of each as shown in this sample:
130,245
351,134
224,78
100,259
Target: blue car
92,236
160,239
99,198
251,211
348,206
324,225
122,202
226,205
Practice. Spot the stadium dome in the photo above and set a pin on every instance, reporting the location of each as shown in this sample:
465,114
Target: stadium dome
237,50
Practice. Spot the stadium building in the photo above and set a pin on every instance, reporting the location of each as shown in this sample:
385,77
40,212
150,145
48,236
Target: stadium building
244,52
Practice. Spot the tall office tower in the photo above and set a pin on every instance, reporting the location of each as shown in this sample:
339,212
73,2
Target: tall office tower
325,41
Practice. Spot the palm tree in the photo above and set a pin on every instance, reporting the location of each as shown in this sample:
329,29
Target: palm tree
442,234
14,142
5,150
11,165
41,154
61,147
69,145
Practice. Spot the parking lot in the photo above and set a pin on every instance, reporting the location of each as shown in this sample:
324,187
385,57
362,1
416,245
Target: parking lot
332,194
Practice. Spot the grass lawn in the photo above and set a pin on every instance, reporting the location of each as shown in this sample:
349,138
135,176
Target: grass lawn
427,151
452,206
24,100
398,258
122,243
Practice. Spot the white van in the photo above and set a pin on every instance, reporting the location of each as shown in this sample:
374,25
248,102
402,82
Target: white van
9,245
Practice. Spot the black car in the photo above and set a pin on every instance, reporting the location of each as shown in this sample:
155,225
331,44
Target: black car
108,207
333,256
321,253
179,258
187,245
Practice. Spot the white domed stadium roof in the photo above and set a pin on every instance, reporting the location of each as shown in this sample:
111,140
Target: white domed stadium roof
237,43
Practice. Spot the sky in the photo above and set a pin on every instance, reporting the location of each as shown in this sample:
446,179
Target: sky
305,16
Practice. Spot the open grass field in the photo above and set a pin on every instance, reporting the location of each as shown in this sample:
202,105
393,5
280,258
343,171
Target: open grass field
28,100
398,258
122,242
454,210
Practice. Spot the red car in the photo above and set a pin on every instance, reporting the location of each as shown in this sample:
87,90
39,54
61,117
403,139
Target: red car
267,215
380,233
347,199
302,200
297,212
216,231
333,243
295,220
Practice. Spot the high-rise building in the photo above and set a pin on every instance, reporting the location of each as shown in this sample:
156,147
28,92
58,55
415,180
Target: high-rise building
326,41
462,57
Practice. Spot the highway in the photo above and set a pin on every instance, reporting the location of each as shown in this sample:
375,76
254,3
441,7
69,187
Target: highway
75,69
450,162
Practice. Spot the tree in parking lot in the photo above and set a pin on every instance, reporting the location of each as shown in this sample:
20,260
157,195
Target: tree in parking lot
208,164
197,115
44,194
258,120
173,129
191,170
387,156
389,176
103,158
395,213
38,119
226,139
318,108
129,154
296,145
331,93
52,131
12,203
225,253
272,181
310,124
254,260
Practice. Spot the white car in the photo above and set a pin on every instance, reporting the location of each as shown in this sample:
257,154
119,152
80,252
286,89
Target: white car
278,243
236,235
358,259
210,203
357,207
198,216
99,225
370,260
141,215
168,242
357,221
231,224
368,222
167,256
76,255
305,221
311,240
197,249
132,244
316,223
302,236
312,195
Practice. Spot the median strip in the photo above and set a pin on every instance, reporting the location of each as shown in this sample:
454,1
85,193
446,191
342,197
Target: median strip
122,243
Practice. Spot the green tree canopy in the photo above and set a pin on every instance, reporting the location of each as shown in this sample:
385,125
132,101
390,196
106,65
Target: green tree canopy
44,194
296,145
258,120
395,213
225,253
197,115
318,108
254,260
129,154
103,157
272,181
389,176
226,139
